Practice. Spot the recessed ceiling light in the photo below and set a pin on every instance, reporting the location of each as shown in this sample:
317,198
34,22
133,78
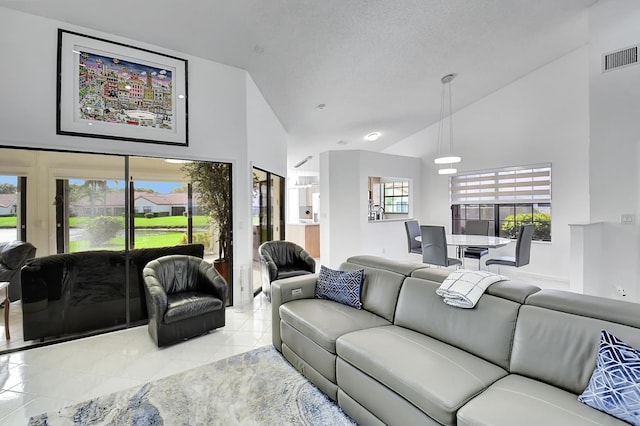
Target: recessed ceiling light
342,142
321,106
373,136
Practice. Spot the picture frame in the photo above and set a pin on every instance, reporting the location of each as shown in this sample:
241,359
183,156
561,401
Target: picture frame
111,90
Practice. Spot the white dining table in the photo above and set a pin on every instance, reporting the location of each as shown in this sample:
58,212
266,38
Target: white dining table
463,240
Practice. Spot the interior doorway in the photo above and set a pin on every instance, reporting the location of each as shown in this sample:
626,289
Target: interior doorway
268,218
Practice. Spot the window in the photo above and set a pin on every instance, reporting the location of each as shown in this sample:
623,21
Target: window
396,197
507,198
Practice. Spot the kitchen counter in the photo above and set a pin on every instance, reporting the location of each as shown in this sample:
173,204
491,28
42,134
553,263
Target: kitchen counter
305,234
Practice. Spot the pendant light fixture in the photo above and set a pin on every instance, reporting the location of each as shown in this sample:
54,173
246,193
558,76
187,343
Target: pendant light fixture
446,157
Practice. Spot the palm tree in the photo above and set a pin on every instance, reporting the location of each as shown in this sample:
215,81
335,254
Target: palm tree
92,188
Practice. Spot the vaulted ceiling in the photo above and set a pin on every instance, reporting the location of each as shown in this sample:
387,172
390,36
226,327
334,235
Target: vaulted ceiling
375,64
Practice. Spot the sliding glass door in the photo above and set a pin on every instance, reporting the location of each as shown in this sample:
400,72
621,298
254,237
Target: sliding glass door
109,203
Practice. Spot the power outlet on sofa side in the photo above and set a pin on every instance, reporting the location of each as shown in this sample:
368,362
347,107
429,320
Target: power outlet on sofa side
296,292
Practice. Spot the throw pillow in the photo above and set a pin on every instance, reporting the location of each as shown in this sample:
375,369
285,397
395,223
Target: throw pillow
614,386
340,286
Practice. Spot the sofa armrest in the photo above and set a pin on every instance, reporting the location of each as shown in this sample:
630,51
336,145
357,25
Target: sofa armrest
308,260
156,297
212,281
286,290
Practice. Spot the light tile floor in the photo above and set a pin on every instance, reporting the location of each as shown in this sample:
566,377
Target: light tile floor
43,379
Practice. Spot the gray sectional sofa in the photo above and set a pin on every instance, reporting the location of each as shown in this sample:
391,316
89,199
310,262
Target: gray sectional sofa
520,357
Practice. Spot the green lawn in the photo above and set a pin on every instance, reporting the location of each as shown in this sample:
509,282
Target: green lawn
139,222
8,222
154,222
161,239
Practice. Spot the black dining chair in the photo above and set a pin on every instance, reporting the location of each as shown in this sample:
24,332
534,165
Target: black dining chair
476,227
413,230
523,250
434,247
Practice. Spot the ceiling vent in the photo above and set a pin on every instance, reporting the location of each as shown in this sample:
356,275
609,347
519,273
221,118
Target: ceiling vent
620,58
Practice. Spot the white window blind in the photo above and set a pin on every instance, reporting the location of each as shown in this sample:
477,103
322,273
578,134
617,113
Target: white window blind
511,185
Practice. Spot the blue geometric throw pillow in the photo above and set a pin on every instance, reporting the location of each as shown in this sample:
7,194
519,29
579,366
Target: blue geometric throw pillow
340,286
614,386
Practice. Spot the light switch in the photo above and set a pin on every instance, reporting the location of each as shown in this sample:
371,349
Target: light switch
627,218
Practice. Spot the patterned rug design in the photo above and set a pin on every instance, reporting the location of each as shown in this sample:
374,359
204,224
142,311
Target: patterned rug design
254,388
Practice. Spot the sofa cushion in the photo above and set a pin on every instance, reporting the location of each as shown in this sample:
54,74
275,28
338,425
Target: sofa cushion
434,376
377,262
614,386
485,331
517,400
380,289
323,321
560,348
340,286
290,271
190,304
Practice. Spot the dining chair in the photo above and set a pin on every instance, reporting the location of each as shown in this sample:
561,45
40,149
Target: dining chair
434,247
523,250
476,227
413,230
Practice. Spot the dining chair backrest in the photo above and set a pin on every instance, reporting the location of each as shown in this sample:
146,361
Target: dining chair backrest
434,245
523,245
413,230
477,227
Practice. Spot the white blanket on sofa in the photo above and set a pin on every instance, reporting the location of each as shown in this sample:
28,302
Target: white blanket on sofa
464,288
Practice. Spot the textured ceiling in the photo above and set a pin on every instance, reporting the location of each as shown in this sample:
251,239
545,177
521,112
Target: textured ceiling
376,64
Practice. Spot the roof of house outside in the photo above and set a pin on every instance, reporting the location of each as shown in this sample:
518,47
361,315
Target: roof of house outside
116,199
7,200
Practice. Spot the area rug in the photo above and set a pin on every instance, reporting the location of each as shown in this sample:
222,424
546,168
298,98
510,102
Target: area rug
254,388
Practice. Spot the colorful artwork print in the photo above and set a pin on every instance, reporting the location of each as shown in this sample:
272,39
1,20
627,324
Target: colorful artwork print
122,92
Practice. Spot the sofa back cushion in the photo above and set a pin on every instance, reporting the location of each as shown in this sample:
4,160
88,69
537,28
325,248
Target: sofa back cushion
380,289
404,268
485,331
557,336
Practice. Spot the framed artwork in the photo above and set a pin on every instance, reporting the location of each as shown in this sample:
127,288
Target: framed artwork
111,90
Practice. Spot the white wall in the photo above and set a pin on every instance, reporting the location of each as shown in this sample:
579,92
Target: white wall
540,118
614,151
615,112
344,227
223,108
266,137
267,150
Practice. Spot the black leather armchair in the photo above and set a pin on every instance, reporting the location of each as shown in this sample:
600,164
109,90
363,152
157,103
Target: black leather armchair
283,259
13,255
185,298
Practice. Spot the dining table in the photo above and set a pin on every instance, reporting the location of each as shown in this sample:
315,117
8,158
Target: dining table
463,240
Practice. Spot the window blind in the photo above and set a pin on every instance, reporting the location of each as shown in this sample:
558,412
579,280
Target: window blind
511,185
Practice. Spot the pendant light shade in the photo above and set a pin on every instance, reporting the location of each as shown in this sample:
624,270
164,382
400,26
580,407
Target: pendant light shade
448,171
447,160
446,156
